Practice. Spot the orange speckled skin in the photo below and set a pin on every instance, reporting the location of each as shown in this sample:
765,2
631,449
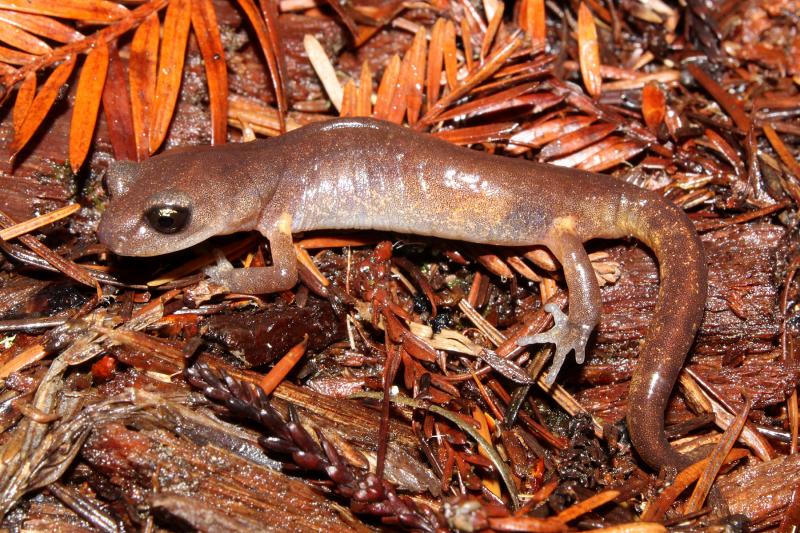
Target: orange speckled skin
368,174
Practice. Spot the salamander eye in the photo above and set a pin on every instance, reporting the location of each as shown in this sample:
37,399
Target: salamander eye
168,218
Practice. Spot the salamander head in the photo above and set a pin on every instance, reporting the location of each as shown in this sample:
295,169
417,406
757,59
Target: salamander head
173,201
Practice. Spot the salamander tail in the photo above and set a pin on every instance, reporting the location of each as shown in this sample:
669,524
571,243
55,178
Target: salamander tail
670,234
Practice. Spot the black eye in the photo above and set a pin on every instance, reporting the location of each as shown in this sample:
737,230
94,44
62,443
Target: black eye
168,218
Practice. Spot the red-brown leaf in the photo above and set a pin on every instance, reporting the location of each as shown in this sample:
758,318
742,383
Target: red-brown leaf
466,40
473,19
96,11
25,95
117,107
576,140
364,98
42,26
491,31
599,8
654,105
589,51
450,59
109,33
270,10
21,39
575,159
418,53
486,69
386,88
518,73
604,154
508,99
170,69
14,57
142,68
478,134
527,523
41,105
783,151
364,34
87,103
270,48
435,56
611,154
536,20
398,106
408,88
206,30
343,10
729,152
728,102
348,99
545,131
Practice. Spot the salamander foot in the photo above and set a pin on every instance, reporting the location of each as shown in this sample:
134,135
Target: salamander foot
219,273
566,335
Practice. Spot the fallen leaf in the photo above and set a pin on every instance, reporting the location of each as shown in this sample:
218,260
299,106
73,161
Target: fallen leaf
491,31
418,55
571,142
435,57
42,26
15,57
407,80
611,155
117,107
19,38
25,95
348,108
386,88
40,105
450,59
478,134
269,8
142,68
324,69
542,132
589,51
537,23
87,103
364,99
96,11
170,70
270,49
466,41
206,31
654,105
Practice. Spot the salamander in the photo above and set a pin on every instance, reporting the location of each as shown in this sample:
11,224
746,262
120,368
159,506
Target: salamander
367,174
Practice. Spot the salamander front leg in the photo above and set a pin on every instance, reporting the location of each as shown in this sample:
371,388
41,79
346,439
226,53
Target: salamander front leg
570,332
282,275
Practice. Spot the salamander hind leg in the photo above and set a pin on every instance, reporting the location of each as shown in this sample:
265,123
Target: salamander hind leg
570,332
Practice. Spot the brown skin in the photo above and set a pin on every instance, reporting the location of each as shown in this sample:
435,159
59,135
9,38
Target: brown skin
367,174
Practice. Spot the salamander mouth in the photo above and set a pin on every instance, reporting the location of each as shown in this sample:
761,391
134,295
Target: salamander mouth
139,240
108,237
119,241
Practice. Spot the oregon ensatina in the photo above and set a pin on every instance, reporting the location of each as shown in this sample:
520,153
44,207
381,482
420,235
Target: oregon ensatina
368,174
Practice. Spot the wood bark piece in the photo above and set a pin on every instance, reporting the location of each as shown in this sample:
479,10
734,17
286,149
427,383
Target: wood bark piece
737,346
208,487
762,491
